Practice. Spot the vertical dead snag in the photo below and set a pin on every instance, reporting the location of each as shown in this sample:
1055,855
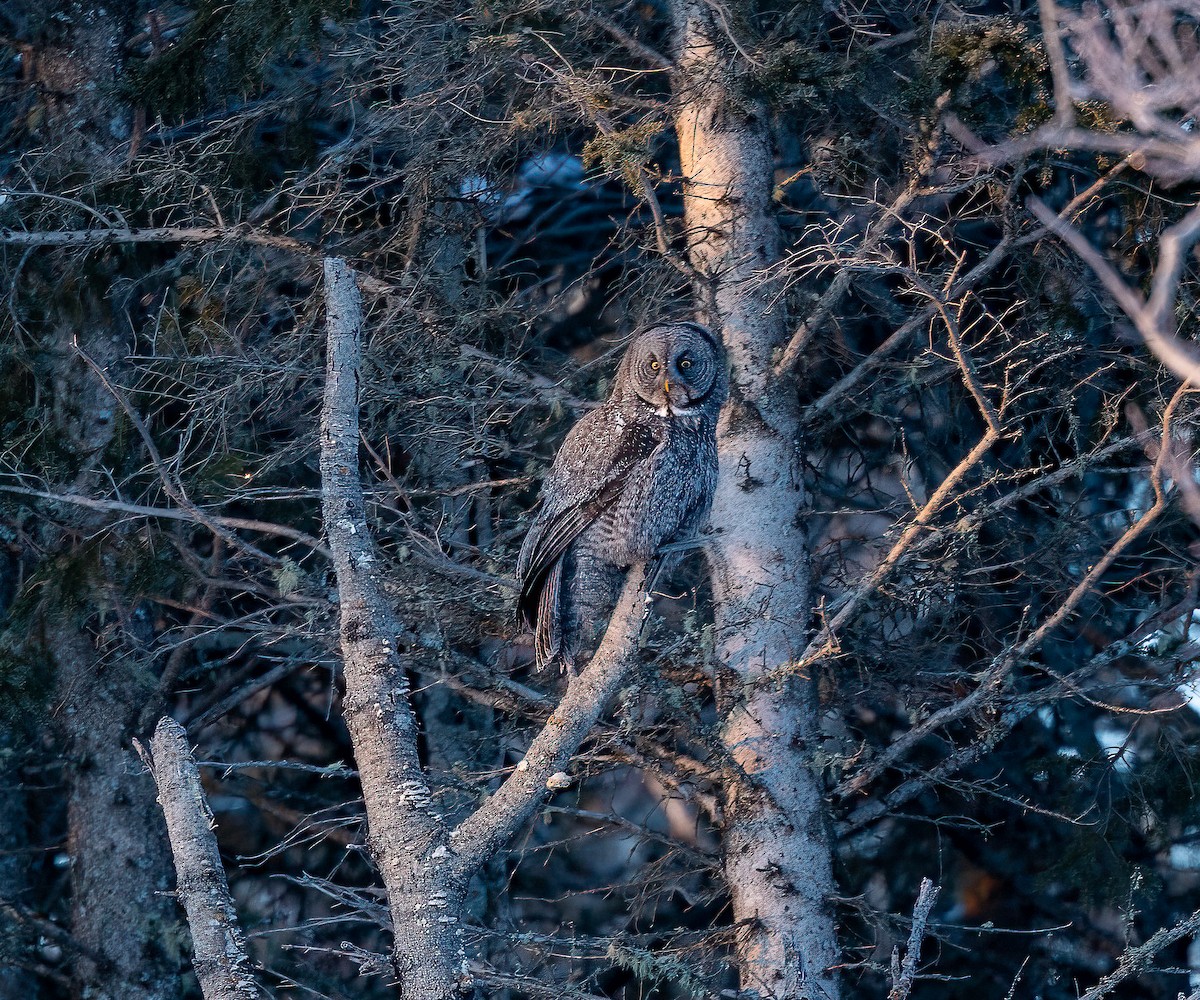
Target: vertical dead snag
221,961
406,835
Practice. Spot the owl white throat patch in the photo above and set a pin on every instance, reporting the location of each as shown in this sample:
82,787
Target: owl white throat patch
666,411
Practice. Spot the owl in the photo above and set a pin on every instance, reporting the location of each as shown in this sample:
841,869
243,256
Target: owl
632,475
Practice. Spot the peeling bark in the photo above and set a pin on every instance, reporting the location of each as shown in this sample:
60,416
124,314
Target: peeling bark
777,849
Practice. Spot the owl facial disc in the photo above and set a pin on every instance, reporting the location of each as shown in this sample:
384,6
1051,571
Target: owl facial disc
675,368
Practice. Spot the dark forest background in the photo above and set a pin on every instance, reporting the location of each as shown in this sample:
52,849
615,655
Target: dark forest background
1009,710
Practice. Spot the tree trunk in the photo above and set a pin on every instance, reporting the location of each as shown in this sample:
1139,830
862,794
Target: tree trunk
408,839
122,913
120,860
16,939
777,850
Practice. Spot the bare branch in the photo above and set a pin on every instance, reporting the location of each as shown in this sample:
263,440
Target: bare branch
174,514
176,234
1137,58
1135,960
992,679
829,402
1064,105
970,377
824,642
871,241
904,975
221,961
172,486
494,822
406,834
1153,318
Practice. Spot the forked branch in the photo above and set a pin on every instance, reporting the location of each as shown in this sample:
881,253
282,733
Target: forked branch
541,771
425,867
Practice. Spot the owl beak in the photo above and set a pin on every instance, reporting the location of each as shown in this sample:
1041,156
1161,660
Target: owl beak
666,395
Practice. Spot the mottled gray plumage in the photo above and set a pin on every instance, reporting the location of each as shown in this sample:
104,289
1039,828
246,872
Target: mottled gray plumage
635,473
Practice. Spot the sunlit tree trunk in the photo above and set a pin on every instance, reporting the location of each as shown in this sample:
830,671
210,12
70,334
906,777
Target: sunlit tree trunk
777,853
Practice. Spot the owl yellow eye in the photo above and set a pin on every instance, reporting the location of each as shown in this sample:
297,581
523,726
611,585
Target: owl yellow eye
684,365
654,365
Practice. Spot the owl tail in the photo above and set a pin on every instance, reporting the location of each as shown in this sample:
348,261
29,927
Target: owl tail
547,639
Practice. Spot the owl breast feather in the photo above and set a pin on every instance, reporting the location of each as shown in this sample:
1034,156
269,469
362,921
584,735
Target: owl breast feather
665,503
624,482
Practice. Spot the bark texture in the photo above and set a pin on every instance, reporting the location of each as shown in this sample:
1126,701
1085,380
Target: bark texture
15,938
777,854
221,962
425,867
120,865
406,835
122,914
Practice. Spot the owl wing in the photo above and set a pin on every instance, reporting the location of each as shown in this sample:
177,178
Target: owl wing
589,475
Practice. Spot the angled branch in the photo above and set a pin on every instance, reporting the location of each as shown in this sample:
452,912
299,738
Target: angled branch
1064,105
1134,961
487,829
825,642
876,232
992,680
221,962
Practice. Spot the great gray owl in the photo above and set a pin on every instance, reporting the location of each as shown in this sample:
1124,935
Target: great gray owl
635,473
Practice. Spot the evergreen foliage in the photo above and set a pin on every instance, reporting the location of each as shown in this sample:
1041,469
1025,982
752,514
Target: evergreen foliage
486,166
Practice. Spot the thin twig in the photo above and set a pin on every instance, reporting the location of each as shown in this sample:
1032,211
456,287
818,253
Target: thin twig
1136,959
830,402
904,975
993,678
1064,106
173,487
874,236
175,514
176,234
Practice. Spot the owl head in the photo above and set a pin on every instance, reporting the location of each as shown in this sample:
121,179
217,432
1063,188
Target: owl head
678,369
